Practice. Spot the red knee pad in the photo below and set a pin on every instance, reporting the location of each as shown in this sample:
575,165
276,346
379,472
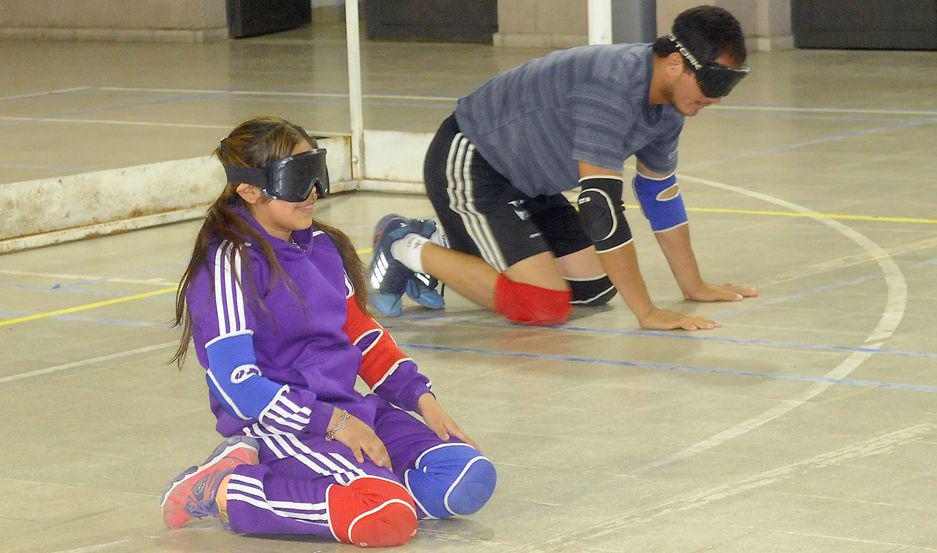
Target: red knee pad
371,512
533,305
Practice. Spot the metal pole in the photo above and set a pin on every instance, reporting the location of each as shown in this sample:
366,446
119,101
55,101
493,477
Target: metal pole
600,21
354,89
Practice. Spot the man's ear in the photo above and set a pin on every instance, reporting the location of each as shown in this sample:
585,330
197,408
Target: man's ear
674,64
249,193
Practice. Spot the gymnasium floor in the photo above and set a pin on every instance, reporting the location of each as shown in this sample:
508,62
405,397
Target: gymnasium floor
808,422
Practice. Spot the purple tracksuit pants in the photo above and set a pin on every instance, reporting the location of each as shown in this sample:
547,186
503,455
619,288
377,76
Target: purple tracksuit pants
286,492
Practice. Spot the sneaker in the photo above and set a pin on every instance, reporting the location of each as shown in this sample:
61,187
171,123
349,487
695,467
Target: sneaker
421,286
388,277
191,494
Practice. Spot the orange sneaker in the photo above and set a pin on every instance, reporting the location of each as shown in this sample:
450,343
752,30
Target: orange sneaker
191,494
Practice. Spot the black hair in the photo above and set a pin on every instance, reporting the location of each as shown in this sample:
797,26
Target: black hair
707,32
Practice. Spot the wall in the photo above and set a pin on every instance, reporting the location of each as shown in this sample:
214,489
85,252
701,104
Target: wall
564,23
330,11
542,23
127,20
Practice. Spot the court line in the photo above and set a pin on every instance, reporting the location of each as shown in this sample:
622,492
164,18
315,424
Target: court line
825,381
836,216
811,109
879,445
91,361
326,134
694,369
112,122
109,322
893,313
45,93
95,305
867,111
749,307
96,547
91,278
235,92
813,142
847,261
665,334
86,307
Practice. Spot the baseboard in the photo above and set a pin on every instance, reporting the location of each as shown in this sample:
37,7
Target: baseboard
328,14
524,40
771,43
114,35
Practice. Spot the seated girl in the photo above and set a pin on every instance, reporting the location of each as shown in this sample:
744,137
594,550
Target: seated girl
274,302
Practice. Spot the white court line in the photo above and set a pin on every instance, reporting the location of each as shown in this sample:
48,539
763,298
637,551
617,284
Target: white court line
93,360
278,93
142,124
65,276
843,262
453,99
880,445
113,122
827,110
97,547
44,93
891,316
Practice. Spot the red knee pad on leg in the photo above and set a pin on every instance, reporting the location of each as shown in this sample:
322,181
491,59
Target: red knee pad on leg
371,512
533,305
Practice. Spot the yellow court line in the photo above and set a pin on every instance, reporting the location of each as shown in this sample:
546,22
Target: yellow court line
95,305
876,218
87,306
105,303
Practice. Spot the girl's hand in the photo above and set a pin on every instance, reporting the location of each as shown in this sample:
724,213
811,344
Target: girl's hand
360,437
439,422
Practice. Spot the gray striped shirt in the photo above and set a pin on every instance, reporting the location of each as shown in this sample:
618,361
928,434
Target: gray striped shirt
534,122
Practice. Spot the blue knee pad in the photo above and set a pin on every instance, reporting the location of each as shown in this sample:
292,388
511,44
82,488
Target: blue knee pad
451,479
663,213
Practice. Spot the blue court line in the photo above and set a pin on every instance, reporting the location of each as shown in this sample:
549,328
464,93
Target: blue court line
675,335
807,293
71,288
682,368
801,295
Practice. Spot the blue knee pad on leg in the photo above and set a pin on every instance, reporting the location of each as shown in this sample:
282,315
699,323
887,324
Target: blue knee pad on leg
451,479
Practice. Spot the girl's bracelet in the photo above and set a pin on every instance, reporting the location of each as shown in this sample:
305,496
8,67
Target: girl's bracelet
339,424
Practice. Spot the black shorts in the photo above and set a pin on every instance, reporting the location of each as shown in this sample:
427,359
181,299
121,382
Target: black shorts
484,215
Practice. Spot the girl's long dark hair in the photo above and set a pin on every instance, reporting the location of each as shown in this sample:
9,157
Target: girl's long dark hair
253,143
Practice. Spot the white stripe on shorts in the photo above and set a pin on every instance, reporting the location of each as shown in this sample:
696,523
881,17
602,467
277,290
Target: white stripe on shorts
459,187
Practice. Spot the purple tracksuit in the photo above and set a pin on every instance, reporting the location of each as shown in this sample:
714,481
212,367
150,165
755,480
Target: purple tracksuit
276,369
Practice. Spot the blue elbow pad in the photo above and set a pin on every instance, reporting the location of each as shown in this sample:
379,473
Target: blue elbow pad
451,479
233,376
664,213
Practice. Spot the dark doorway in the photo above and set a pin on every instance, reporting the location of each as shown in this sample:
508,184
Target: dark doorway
437,20
251,18
879,24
